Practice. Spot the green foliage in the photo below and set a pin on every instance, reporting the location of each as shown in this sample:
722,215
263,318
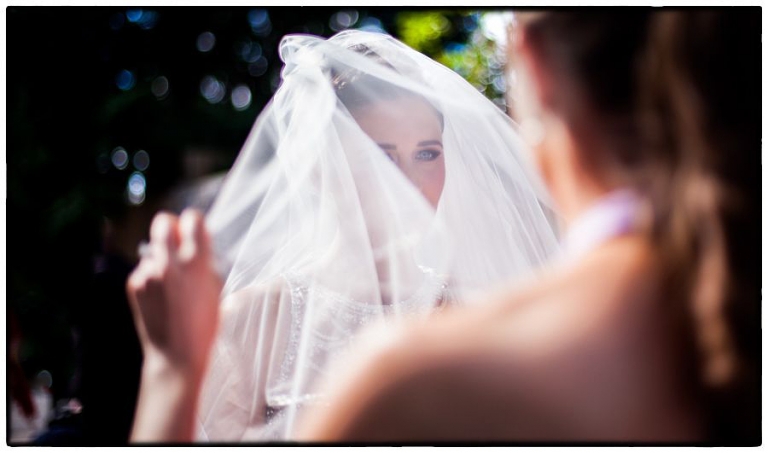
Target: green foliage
480,63
455,40
423,31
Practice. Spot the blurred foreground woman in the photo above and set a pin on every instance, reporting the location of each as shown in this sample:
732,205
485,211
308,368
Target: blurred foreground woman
376,185
649,330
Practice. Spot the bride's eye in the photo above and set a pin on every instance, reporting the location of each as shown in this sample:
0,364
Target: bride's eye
427,154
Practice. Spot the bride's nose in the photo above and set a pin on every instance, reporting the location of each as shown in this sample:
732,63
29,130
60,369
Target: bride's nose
409,173
402,166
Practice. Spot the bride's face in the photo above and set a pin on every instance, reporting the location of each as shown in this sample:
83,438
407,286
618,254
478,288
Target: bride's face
409,131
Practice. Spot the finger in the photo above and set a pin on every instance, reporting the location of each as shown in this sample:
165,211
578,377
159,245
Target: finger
136,282
194,239
135,287
164,237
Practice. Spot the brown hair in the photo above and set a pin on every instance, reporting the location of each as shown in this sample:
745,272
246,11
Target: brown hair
704,82
593,58
665,101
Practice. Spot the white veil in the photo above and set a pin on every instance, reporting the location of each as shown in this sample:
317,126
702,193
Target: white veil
376,184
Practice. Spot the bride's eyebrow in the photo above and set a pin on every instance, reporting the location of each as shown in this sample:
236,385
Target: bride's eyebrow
430,142
387,146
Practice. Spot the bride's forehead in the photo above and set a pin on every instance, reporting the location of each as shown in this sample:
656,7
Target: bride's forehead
405,110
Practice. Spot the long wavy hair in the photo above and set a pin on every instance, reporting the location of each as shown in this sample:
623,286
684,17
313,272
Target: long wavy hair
704,80
669,103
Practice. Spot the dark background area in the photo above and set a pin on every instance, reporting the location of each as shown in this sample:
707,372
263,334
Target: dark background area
87,90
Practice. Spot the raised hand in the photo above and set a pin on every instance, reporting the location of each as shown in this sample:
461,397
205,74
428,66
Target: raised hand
174,296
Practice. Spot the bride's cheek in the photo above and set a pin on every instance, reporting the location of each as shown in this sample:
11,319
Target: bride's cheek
432,181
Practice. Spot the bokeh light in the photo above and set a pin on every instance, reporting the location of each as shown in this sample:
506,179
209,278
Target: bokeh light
257,17
44,379
160,87
494,26
258,67
120,158
455,47
125,80
212,89
241,97
141,160
372,24
469,23
343,20
500,84
148,20
134,15
137,188
206,41
249,51
259,21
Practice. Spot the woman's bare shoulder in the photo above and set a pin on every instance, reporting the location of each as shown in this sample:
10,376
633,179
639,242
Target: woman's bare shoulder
407,358
428,382
562,342
489,322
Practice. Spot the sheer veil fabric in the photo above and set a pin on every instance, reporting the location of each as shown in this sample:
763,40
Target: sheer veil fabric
377,184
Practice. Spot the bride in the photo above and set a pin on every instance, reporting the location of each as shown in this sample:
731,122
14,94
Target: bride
377,184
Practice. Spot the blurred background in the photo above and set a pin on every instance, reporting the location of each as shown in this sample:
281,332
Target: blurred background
114,113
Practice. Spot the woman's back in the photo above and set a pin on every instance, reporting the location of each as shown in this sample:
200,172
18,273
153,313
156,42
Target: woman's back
581,356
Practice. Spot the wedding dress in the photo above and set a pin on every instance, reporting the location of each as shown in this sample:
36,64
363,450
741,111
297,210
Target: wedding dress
377,184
